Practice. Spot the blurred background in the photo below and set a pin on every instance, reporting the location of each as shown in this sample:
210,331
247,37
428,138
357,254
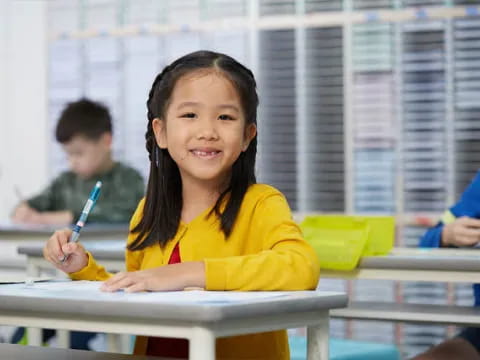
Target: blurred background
366,106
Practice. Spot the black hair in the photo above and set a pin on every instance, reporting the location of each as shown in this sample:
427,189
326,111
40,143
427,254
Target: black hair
84,117
163,203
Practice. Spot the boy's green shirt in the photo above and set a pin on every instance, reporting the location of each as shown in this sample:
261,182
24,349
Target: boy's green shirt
122,189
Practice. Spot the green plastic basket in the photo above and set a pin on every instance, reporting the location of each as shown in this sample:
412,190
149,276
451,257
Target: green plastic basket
338,240
381,236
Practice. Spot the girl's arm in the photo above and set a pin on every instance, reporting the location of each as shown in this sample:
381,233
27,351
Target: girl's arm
173,277
286,261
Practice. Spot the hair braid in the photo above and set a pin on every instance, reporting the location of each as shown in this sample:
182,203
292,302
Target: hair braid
152,113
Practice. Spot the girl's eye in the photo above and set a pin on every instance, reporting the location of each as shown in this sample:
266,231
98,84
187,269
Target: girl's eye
188,115
226,117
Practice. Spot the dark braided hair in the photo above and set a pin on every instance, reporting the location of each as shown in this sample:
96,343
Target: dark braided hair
163,202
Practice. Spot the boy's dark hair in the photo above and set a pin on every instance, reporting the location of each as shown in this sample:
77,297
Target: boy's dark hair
163,203
83,117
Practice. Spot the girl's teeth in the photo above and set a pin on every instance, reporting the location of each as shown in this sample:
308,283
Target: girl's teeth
205,153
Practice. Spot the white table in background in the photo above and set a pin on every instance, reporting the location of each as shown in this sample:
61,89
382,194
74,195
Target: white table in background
109,253
414,264
12,236
417,264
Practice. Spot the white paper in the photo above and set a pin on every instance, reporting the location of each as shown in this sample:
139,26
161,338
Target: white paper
90,290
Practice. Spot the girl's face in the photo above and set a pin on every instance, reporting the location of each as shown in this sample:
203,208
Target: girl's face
204,128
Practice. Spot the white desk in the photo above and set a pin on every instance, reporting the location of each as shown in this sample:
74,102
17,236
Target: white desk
109,253
12,236
43,232
431,265
200,321
405,264
34,263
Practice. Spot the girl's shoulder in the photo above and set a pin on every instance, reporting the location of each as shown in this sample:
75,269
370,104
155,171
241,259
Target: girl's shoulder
263,199
258,192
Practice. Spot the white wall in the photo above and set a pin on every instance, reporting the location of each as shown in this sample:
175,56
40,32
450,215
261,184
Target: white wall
3,99
23,100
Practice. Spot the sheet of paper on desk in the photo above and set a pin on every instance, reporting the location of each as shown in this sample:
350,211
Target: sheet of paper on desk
90,290
21,279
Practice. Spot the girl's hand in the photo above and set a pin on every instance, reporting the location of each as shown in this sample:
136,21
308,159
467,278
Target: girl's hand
464,231
164,278
57,247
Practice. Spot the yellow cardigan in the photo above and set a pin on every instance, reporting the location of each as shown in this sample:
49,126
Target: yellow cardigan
265,251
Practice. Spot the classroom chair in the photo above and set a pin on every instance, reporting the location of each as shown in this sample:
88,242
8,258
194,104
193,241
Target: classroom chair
343,349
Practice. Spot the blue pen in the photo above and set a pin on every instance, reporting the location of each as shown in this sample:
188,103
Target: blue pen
92,199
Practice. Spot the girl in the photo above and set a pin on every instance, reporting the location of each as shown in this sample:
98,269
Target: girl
204,221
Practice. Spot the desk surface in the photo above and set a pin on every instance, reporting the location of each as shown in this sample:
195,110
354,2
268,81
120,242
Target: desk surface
42,230
416,313
425,259
83,298
102,249
414,264
400,259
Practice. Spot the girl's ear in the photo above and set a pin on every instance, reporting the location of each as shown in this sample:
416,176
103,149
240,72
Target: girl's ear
250,132
160,131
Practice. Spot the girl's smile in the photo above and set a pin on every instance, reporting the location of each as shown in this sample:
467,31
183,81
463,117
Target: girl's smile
206,153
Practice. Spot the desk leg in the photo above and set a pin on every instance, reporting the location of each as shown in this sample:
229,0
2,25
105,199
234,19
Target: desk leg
63,339
126,343
317,340
34,335
202,345
32,270
113,343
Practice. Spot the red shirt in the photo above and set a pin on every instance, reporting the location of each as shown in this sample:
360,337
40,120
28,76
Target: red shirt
171,347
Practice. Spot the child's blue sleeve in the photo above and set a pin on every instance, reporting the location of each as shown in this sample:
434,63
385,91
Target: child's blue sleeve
432,237
468,205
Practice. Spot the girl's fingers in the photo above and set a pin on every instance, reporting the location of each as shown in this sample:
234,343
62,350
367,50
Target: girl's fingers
123,283
136,287
50,255
56,242
70,248
52,260
55,248
114,279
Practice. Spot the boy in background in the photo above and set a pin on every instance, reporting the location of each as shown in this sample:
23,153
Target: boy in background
459,227
85,132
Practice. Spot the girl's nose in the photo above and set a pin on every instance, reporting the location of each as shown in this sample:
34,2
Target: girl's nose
207,130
